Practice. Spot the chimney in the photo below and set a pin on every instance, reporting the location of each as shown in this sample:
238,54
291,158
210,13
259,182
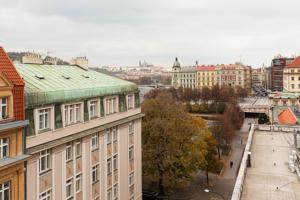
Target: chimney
50,61
80,62
32,58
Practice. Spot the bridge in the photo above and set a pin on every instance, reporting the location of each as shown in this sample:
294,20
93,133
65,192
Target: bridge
255,105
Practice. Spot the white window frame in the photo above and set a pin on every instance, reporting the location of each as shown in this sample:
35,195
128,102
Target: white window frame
4,189
95,141
108,136
115,162
131,179
130,101
46,195
97,109
131,127
50,119
109,166
3,105
115,191
115,134
4,145
109,194
47,155
69,183
78,183
111,105
78,145
95,169
131,153
69,152
72,113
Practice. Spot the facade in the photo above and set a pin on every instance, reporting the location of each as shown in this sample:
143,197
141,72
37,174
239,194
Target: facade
185,77
291,76
260,77
276,72
12,123
234,75
206,76
84,134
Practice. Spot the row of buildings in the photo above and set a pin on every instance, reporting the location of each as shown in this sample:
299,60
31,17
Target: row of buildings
67,132
207,76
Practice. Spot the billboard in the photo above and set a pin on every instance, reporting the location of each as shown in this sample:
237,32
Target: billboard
278,62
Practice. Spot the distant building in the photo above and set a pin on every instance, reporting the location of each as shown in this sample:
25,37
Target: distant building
276,72
12,123
206,76
84,134
185,77
291,76
260,76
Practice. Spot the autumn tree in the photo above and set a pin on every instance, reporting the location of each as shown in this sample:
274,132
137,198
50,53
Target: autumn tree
173,142
205,94
241,92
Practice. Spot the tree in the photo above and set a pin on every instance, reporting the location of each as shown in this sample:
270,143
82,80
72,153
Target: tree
173,142
215,93
241,92
206,94
263,118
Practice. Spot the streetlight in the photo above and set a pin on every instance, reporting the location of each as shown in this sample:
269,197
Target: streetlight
208,191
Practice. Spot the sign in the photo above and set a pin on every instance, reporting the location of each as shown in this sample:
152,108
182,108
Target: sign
278,62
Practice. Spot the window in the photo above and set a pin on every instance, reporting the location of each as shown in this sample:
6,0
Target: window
69,154
130,99
78,148
95,172
5,190
292,71
131,127
95,141
111,105
115,162
44,119
109,194
131,178
72,113
298,86
78,181
4,147
44,160
131,153
45,195
69,189
3,108
292,78
298,78
108,136
115,192
293,86
115,134
109,166
93,108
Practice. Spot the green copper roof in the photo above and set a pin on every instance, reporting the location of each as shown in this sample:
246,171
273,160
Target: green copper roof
47,84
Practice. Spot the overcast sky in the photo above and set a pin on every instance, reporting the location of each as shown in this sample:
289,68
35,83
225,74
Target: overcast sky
122,32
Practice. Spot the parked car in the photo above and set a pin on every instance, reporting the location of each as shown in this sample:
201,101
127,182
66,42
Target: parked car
150,195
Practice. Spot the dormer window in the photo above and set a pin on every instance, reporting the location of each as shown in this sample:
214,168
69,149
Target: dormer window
44,118
130,101
72,113
111,105
3,108
93,108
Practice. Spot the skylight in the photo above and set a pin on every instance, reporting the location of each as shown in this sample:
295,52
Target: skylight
39,76
85,76
66,76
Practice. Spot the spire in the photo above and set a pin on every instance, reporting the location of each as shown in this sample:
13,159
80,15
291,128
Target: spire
176,63
196,64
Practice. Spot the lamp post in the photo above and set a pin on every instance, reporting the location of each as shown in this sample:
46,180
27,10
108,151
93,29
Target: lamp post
208,191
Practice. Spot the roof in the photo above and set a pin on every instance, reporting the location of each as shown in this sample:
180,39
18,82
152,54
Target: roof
206,68
188,69
8,69
48,84
295,63
287,117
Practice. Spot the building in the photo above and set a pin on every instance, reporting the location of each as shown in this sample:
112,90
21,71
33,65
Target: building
260,77
276,72
185,77
291,76
206,76
84,134
234,75
12,123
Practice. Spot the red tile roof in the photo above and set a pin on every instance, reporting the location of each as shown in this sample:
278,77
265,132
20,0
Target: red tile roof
295,63
287,117
8,69
206,68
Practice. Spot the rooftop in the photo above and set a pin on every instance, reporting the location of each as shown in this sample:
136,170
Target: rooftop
269,176
47,84
287,117
295,63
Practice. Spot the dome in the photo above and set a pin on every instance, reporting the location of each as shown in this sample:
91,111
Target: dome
176,63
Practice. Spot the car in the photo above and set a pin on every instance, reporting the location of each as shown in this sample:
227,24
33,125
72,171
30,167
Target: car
150,195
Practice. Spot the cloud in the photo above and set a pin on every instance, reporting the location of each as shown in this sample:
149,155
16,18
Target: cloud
122,32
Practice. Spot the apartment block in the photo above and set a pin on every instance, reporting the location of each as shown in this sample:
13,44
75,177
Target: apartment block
206,76
12,123
291,76
84,134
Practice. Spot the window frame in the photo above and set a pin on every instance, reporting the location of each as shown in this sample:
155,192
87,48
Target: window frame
69,150
109,166
2,146
6,107
4,189
69,183
97,110
78,142
47,193
130,101
78,182
95,137
51,119
77,111
47,157
131,179
95,169
131,127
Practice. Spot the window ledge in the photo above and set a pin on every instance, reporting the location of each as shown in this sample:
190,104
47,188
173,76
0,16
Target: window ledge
45,172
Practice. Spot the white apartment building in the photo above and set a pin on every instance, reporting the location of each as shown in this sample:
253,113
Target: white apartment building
84,134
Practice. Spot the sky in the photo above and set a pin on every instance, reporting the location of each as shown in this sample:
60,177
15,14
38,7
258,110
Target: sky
122,32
